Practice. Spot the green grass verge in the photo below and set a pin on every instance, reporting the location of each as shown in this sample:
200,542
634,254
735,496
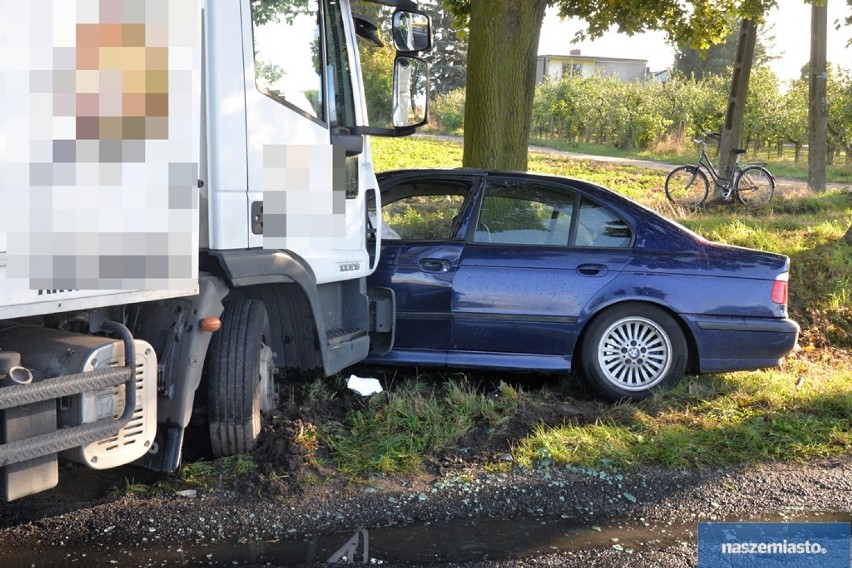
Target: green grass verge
782,166
399,428
204,474
718,420
637,183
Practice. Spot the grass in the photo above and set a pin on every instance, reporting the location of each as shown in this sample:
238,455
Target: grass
800,411
421,417
684,152
131,487
637,183
797,413
206,474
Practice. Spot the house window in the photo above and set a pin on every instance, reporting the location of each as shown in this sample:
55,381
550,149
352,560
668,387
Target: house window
572,69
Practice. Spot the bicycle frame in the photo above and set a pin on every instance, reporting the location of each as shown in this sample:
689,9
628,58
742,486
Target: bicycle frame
727,185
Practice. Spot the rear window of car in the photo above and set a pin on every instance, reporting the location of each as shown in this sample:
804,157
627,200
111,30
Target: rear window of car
524,212
599,227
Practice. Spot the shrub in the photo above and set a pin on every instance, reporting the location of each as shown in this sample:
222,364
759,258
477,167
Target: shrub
448,111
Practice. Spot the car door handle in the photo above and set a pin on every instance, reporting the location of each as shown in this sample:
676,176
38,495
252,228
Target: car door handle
592,269
434,265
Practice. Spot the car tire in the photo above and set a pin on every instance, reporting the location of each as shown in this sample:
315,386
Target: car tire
631,350
240,377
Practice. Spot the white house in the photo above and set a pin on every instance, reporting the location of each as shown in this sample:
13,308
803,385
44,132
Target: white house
558,66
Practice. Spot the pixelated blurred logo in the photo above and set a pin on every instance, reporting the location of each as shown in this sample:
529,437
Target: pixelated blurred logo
299,211
101,192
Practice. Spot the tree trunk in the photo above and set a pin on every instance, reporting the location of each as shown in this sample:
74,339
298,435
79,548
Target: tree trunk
733,128
816,98
501,57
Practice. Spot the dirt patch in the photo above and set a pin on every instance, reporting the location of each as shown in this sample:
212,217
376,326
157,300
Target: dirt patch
290,498
291,450
484,445
289,444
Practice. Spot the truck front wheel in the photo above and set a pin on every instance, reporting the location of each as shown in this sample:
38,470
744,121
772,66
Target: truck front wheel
240,377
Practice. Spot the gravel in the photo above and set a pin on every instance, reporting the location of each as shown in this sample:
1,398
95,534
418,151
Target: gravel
653,511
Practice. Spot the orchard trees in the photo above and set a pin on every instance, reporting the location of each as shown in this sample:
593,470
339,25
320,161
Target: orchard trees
502,48
839,97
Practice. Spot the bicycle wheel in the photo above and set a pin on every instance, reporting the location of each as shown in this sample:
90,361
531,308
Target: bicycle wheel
755,186
687,186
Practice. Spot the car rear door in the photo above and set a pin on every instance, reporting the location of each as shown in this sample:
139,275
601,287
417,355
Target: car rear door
539,253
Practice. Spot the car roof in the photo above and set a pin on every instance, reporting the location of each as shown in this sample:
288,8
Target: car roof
576,183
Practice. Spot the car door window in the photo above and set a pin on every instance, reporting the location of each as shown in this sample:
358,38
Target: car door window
424,212
521,213
598,227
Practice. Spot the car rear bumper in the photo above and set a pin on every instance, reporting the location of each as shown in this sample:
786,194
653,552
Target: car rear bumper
742,344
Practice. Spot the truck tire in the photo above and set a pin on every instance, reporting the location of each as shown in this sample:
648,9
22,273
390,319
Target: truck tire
240,377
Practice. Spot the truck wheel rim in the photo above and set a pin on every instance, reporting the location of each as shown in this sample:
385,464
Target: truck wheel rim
634,354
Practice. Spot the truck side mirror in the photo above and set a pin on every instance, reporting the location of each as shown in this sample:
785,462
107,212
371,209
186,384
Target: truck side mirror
410,92
412,32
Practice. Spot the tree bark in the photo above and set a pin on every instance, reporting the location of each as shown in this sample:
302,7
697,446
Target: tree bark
732,130
816,98
502,49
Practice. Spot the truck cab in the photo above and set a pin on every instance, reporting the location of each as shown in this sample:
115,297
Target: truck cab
258,110
286,173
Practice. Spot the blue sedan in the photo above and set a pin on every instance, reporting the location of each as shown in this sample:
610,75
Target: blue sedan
495,270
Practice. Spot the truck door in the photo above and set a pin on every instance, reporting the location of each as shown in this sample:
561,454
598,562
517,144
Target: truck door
299,87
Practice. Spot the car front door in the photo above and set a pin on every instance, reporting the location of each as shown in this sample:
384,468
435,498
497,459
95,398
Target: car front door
421,248
539,254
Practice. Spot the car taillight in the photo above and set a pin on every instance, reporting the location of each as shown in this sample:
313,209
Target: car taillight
779,289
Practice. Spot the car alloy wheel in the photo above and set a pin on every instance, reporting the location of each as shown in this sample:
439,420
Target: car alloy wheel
634,353
631,349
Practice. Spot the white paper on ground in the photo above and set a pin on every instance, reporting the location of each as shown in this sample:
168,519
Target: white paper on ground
364,387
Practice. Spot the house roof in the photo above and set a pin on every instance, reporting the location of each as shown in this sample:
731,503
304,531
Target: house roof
594,58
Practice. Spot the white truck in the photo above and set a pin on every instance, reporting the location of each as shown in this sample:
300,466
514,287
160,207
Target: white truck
185,192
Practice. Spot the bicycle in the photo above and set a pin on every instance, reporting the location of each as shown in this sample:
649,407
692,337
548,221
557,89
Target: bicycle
688,186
